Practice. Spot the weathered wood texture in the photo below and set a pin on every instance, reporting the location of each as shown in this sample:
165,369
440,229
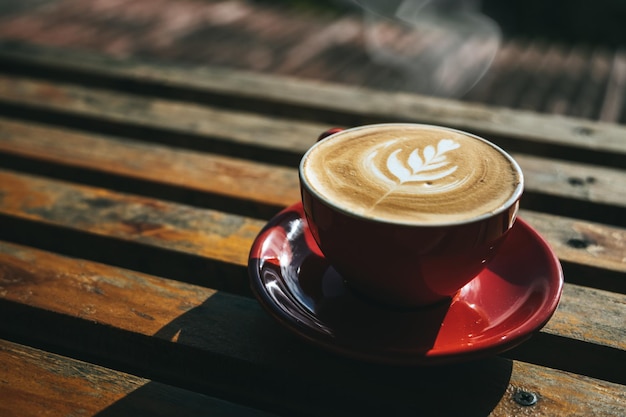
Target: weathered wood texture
37,383
577,185
208,236
226,237
579,80
322,102
152,316
130,195
210,173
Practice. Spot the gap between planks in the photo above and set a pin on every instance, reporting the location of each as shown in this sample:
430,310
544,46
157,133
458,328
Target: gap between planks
337,103
140,320
557,186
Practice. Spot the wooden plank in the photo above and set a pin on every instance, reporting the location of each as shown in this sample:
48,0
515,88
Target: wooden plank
531,376
36,382
167,115
213,234
559,392
203,232
255,181
590,183
330,102
582,242
173,328
202,172
607,312
198,245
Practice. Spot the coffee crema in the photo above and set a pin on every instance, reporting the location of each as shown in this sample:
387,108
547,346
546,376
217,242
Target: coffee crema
415,174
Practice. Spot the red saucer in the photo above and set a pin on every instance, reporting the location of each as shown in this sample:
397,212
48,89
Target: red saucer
502,307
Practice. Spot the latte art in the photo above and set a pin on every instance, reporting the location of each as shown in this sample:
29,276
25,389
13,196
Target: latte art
432,165
411,173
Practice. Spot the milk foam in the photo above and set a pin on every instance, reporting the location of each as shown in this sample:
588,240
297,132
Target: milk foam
411,173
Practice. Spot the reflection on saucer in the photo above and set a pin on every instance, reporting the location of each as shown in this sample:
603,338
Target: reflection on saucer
503,306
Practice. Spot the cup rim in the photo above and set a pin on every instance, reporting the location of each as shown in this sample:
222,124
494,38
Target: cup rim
510,202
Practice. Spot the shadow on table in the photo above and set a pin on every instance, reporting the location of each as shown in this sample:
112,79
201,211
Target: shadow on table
217,352
155,399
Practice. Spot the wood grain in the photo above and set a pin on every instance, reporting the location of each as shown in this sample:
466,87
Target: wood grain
203,232
259,182
227,237
323,101
141,320
606,310
210,234
35,383
590,183
114,107
183,169
582,242
169,298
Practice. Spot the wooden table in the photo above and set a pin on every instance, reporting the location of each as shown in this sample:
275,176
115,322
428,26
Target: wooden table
130,195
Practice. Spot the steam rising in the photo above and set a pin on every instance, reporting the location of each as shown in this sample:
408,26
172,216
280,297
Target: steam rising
439,47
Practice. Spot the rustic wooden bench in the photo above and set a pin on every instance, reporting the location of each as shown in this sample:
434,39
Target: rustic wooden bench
131,193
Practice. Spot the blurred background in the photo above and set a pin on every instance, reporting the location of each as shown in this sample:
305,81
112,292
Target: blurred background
562,57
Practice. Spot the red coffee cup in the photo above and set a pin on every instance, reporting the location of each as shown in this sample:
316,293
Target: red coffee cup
406,263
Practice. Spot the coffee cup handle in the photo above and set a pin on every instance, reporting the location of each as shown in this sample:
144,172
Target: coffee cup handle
329,132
